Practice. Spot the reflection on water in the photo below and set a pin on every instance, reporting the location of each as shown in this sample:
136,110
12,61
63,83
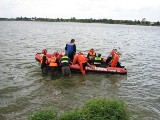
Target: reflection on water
24,89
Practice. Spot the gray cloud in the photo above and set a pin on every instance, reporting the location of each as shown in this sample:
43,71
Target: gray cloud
111,9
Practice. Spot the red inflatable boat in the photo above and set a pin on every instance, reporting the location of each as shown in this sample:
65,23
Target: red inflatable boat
76,67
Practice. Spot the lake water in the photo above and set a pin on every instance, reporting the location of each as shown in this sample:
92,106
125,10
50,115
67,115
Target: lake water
23,89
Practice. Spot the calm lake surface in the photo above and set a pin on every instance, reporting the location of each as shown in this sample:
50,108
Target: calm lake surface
23,89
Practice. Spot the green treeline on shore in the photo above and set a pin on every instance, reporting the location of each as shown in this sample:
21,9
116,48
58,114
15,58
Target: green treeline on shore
91,20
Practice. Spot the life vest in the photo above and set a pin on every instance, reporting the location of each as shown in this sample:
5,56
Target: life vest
53,62
114,60
91,54
64,59
97,60
41,59
70,48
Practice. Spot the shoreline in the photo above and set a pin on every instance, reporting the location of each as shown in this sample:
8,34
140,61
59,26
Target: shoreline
143,22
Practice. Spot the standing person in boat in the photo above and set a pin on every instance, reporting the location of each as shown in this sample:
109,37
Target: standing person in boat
91,55
115,61
65,62
98,61
44,61
53,64
110,57
71,49
82,60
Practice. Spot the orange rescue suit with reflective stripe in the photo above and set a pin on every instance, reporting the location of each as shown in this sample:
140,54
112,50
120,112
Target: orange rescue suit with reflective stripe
53,62
114,60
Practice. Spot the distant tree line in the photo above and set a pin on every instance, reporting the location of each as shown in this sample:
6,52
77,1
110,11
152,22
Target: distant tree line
91,20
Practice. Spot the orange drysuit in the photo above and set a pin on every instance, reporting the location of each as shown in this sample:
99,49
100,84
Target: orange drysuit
82,60
114,60
112,53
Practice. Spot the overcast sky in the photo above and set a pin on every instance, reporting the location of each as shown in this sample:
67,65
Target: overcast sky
98,9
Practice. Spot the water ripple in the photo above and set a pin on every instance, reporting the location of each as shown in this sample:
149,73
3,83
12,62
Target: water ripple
24,89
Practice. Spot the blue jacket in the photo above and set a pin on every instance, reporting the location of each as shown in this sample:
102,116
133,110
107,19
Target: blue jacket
70,48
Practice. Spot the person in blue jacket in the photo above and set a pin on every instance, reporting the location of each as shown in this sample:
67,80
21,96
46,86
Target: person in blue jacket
71,49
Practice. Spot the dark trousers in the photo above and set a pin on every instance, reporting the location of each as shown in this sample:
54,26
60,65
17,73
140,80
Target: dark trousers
90,61
71,56
44,68
97,65
53,71
84,65
108,60
118,65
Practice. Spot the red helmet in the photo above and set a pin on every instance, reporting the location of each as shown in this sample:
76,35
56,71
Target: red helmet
44,51
55,54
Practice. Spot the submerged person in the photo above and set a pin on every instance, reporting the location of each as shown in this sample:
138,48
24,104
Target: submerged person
98,61
115,61
91,55
53,64
110,57
71,49
44,61
82,60
65,62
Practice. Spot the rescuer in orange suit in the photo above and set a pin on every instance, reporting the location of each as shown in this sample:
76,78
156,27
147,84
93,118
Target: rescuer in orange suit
91,55
44,61
115,60
110,57
82,60
53,64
